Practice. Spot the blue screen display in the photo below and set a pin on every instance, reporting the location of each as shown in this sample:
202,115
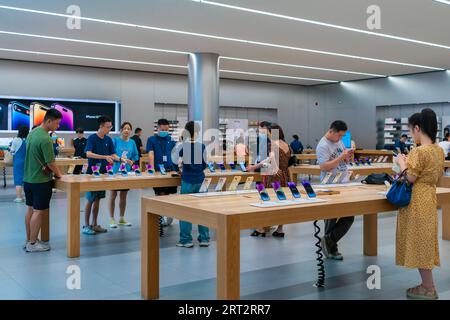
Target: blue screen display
347,140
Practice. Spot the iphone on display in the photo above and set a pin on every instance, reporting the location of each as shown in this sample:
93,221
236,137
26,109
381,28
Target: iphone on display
248,183
337,178
38,111
222,167
278,191
162,169
232,166
242,166
326,179
262,192
211,167
19,115
3,117
220,184
66,123
293,187
109,170
96,170
150,169
136,169
234,184
84,168
308,188
205,185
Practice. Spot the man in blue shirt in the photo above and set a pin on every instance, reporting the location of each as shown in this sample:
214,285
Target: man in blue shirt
296,145
99,151
400,145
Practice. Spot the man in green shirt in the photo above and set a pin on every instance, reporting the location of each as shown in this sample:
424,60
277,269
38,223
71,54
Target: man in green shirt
40,168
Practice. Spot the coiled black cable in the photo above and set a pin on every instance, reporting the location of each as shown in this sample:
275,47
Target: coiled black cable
161,230
320,267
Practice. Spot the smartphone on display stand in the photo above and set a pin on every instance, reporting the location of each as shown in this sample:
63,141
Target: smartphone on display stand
248,183
220,184
162,169
326,179
66,123
308,188
337,177
3,117
136,169
96,170
222,167
234,184
211,167
278,191
123,170
84,168
232,166
19,115
150,169
205,185
38,111
242,167
293,187
262,192
109,170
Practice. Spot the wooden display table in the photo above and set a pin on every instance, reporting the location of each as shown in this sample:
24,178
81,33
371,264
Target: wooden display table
61,163
374,153
67,151
230,214
362,170
73,185
306,157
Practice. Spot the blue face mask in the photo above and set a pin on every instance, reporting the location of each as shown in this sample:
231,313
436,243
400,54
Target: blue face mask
163,134
54,138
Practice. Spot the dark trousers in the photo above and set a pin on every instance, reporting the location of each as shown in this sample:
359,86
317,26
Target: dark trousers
335,229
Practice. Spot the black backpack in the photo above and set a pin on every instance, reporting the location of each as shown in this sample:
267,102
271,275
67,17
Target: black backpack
377,178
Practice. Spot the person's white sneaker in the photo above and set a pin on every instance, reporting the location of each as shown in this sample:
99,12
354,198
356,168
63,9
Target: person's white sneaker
204,244
37,247
113,224
185,245
18,200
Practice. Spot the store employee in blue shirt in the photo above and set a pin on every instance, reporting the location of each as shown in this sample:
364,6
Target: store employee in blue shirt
400,145
159,148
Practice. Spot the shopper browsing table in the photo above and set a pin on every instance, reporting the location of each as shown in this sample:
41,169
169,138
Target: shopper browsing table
79,143
40,168
138,141
159,148
417,225
400,145
333,157
18,150
126,148
99,150
192,154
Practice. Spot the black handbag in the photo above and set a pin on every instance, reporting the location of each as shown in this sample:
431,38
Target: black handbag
378,178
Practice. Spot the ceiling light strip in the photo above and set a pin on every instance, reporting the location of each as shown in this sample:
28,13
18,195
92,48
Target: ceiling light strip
177,52
324,24
209,36
443,1
155,64
301,66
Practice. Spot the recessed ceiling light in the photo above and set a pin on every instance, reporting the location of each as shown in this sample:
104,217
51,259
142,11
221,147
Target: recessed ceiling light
157,64
237,40
179,52
324,24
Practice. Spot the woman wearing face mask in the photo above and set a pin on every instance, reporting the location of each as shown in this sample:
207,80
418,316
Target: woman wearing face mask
417,225
54,138
277,165
127,151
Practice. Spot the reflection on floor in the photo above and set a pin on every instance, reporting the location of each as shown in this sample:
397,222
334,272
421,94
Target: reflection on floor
271,268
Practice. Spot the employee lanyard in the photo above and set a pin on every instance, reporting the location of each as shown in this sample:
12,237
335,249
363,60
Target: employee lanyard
164,148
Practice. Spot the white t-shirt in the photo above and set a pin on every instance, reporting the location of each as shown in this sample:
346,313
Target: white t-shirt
445,145
326,151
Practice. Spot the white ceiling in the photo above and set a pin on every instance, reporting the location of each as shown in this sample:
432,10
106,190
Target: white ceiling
424,20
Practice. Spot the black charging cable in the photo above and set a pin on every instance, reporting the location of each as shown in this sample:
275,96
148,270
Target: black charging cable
320,267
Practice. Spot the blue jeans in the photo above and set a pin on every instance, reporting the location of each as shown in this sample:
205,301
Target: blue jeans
186,227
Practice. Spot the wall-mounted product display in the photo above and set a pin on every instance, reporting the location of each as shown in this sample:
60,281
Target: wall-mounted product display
28,111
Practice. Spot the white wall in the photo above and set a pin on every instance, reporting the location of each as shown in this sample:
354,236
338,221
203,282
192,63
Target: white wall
354,102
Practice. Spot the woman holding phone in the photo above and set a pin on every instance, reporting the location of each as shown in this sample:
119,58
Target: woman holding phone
18,148
417,224
127,151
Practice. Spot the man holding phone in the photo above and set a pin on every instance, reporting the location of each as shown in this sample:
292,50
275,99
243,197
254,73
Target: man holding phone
333,156
40,168
99,149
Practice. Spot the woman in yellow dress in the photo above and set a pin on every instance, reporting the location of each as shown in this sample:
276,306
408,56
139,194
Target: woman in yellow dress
417,224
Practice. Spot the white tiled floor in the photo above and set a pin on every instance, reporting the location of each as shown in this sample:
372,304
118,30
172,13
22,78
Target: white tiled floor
271,268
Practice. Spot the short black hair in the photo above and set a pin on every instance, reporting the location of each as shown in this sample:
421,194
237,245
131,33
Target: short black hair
103,119
426,120
23,131
79,130
295,137
265,124
447,135
52,114
192,128
137,130
404,136
275,126
338,126
163,122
